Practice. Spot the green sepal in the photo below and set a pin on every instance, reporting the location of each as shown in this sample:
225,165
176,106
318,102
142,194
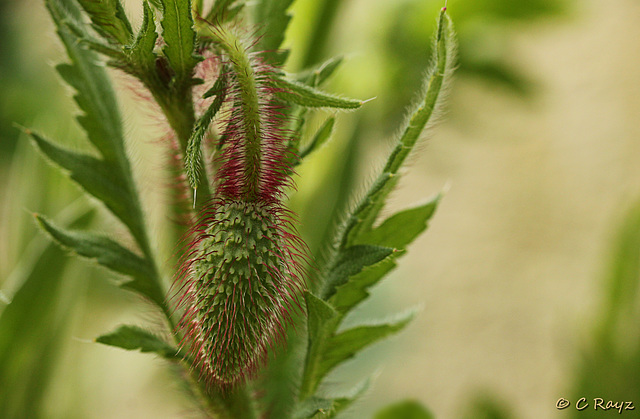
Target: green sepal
99,178
301,94
109,254
321,137
109,20
193,154
402,228
180,39
407,409
134,338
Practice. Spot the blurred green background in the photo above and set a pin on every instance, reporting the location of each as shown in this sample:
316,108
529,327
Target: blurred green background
527,277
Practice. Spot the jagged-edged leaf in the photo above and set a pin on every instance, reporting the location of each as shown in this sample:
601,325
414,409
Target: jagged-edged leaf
322,321
179,37
352,261
402,228
321,136
109,254
319,407
109,19
407,409
443,57
345,345
94,95
135,338
354,291
367,211
193,155
141,51
273,18
99,178
304,95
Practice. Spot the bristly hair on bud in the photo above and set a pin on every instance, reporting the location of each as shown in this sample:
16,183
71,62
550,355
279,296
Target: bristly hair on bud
242,272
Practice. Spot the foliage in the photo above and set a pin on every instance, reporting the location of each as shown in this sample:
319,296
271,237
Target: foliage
164,59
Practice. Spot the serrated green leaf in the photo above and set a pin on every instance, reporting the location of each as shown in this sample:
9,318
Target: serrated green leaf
102,123
352,261
109,254
303,95
141,51
273,18
368,209
193,154
402,228
135,338
322,321
321,137
345,345
109,19
355,290
408,409
99,178
180,38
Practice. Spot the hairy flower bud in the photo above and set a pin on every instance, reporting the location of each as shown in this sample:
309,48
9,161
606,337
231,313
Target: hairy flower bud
242,272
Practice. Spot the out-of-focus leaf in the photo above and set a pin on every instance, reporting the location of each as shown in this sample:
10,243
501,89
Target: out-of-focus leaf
224,10
321,136
352,261
30,330
180,39
273,19
317,76
109,254
133,338
109,19
402,228
301,94
487,407
408,409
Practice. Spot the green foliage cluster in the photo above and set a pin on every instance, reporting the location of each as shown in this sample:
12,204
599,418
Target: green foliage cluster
164,59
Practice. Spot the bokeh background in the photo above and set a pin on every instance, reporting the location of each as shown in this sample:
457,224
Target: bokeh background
527,278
